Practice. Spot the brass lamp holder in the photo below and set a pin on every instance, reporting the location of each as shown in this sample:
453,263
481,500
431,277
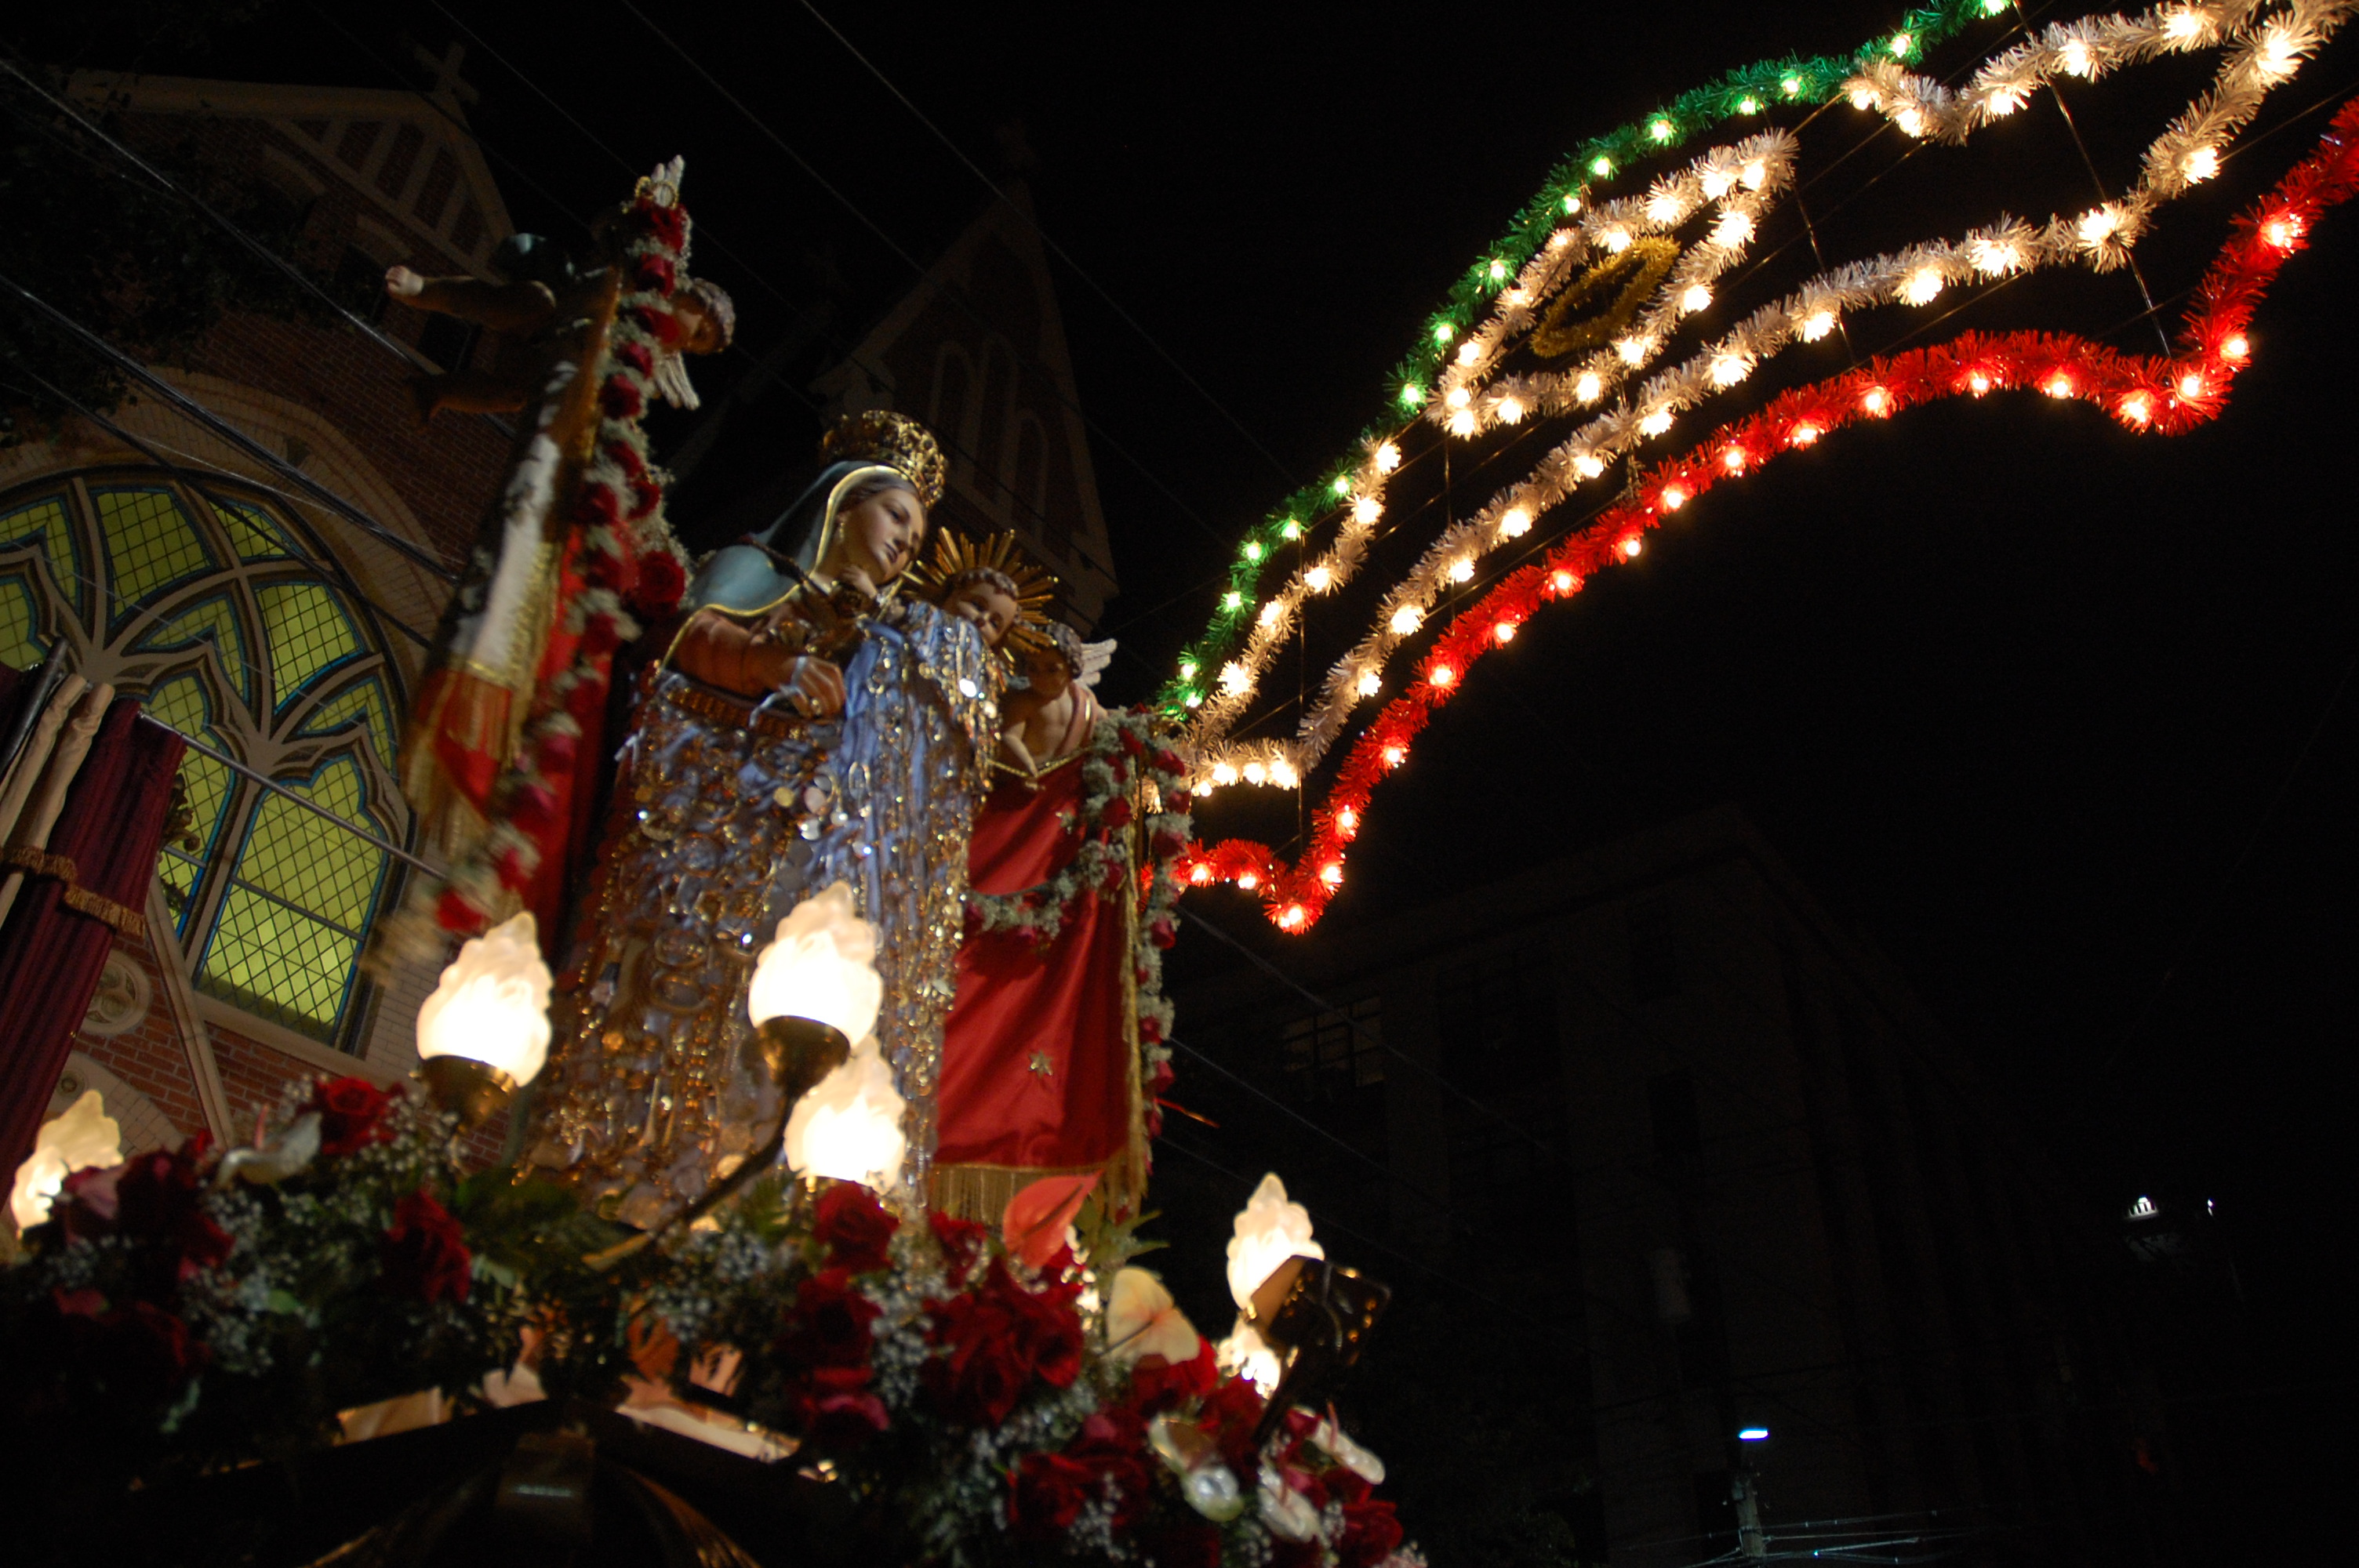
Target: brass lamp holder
1318,1315
472,1091
796,1054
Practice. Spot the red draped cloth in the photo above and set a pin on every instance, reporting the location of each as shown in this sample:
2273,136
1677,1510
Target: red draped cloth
64,922
1040,1073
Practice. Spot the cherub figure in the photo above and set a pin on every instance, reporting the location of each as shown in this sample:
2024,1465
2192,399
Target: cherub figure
525,311
1049,717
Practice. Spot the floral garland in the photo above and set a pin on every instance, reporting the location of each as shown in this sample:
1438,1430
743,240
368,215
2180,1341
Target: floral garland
985,1403
1124,743
619,545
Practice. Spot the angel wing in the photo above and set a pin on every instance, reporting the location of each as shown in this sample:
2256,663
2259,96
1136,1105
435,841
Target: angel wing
1095,656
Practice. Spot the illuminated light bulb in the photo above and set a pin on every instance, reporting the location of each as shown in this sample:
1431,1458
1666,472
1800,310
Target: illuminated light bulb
1347,821
1341,484
1201,874
1667,208
1370,683
1992,8
1511,409
2003,102
1601,167
1729,369
1715,184
1462,569
2235,348
1791,86
1631,547
1634,351
1459,398
1978,384
1588,465
1462,421
849,1126
1921,286
1366,509
1561,238
1405,620
2184,26
2097,225
484,1031
1271,611
1572,205
1469,352
1255,773
1292,918
1674,497
1662,130
1504,632
1188,669
1817,325
1283,775
2191,385
1910,120
1223,774
1755,174
1289,529
1875,401
1863,97
1732,229
2201,165
1992,257
1733,460
1332,873
2279,54
1412,395
2075,58
1589,388
1516,297
1393,755
2137,408
821,965
2281,233
1444,676
1563,582
1515,523
1615,240
1248,880
1498,271
1655,424
1442,332
1804,435
1232,599
1748,104
1253,549
1900,46
1193,699
1696,298
2059,386
1318,580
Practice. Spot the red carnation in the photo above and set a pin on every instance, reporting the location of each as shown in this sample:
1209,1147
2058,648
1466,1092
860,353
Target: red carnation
352,1115
1370,1532
662,580
1179,803
1229,1416
1132,743
658,273
601,503
1116,813
669,226
601,636
619,399
424,1253
855,1228
638,356
1162,1077
1162,933
1167,843
1157,1385
646,496
1150,1029
831,1326
1168,760
661,325
1047,1493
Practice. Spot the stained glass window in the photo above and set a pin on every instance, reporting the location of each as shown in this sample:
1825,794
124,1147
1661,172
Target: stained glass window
229,618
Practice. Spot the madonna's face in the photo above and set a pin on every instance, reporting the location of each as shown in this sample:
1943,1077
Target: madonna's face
877,532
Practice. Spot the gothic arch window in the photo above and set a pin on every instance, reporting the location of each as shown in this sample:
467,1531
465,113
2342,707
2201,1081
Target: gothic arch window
232,622
952,409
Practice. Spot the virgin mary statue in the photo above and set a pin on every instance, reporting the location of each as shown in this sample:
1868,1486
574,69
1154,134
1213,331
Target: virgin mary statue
806,726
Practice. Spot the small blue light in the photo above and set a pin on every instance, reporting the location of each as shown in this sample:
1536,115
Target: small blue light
1753,1434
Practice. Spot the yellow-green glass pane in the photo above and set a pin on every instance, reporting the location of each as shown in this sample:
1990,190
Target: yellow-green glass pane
292,855
182,703
307,631
364,702
213,620
253,532
45,523
279,963
150,543
20,624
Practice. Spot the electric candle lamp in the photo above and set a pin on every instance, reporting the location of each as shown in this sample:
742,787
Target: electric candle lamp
1589,388
1462,421
1516,522
1387,457
1332,873
2202,163
1504,632
1656,423
1318,580
484,1031
1697,297
1921,286
1371,683
1804,435
85,1138
821,967
1462,569
847,1126
1673,498
1405,620
1817,325
1631,547
1444,676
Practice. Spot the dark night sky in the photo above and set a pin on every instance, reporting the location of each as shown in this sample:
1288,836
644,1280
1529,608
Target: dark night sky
2021,696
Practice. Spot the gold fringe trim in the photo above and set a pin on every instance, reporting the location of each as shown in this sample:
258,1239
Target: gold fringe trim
81,900
982,1193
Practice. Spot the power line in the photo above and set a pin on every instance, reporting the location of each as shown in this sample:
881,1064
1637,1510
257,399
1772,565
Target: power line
1061,254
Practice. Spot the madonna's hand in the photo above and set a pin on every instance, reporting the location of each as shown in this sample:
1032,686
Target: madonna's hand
815,687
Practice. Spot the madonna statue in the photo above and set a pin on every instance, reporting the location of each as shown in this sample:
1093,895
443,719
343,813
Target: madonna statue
808,725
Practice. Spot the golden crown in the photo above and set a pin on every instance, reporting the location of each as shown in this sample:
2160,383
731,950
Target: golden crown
892,440
999,561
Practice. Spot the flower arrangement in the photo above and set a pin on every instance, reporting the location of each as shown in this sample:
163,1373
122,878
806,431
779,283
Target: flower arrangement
982,1398
1127,748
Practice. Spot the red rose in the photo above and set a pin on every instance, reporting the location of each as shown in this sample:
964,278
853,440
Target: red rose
1179,802
351,1114
1167,761
1157,1385
855,1228
843,1419
1150,1029
667,226
1370,1532
646,493
662,580
139,1356
1116,813
962,1241
999,1337
1161,1078
661,325
656,272
619,399
156,1200
831,1324
424,1253
1167,843
1132,743
1047,1493
1162,933
637,355
1229,1416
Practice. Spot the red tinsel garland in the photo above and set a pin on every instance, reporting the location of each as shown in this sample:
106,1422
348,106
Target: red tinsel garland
2146,392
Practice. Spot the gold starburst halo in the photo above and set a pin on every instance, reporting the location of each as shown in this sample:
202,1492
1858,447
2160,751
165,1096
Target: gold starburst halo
958,562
